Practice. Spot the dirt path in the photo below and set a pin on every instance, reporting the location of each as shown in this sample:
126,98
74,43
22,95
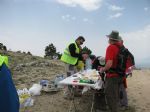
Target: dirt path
139,90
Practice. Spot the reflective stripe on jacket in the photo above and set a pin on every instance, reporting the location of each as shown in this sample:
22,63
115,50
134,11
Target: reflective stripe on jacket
3,59
67,58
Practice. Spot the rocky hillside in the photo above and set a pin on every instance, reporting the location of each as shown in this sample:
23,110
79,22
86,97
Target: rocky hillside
27,69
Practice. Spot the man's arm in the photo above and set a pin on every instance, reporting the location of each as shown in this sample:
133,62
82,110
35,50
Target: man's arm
107,66
72,49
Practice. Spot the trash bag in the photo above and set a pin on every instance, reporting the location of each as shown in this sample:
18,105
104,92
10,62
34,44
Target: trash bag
25,98
35,89
9,100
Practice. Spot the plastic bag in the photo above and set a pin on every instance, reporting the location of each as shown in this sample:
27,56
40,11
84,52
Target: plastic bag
25,98
98,85
85,89
35,89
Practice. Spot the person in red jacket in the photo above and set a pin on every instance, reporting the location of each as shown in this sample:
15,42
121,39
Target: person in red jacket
112,78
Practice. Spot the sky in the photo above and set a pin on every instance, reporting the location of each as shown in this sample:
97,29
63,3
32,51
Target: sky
31,25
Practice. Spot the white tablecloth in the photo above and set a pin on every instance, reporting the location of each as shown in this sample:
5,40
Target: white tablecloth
74,80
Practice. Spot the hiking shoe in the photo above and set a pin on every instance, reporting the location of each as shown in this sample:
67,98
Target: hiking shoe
97,110
126,107
68,98
123,108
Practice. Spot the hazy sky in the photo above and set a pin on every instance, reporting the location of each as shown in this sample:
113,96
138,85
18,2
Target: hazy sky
30,25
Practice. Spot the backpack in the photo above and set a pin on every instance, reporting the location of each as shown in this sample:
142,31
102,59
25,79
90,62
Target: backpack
122,60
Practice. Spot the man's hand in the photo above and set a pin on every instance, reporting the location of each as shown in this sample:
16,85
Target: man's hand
107,66
102,70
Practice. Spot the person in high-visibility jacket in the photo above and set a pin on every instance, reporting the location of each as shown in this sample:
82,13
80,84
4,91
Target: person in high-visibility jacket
71,56
3,59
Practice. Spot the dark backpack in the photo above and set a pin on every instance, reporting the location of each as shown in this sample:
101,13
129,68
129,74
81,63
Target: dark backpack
122,60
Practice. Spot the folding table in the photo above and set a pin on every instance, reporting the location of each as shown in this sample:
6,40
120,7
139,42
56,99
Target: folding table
75,81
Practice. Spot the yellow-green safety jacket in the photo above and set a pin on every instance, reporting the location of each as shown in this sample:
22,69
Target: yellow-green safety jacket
3,59
67,58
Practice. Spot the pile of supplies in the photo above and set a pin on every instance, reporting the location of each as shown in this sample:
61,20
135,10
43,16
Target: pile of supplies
52,86
88,76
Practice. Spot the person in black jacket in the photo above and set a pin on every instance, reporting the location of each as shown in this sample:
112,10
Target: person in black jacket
100,101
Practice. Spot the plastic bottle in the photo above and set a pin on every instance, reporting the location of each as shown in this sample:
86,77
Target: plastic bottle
44,82
88,64
57,80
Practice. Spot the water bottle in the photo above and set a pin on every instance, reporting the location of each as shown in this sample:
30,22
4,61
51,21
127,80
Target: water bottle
88,64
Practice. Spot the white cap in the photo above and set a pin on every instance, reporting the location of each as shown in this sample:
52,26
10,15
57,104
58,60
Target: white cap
101,60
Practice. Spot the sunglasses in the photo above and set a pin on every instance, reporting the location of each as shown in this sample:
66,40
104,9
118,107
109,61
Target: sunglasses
81,42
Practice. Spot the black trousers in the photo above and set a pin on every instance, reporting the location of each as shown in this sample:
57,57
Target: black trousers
100,100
